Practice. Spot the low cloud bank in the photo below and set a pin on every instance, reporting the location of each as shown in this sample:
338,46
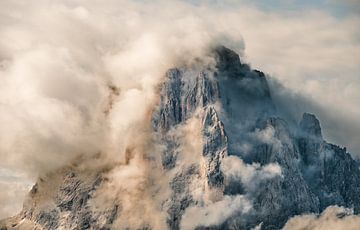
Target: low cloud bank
333,217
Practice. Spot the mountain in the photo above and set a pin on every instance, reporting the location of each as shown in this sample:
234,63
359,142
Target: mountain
228,160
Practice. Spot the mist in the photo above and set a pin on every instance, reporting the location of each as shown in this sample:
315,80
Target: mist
80,78
333,217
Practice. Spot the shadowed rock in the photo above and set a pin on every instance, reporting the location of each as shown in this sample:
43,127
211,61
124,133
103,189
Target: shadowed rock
236,116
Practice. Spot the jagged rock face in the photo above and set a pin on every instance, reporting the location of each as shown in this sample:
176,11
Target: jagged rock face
61,201
329,170
234,114
310,125
189,93
288,195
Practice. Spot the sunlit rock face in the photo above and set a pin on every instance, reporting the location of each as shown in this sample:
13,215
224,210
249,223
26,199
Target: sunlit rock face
206,115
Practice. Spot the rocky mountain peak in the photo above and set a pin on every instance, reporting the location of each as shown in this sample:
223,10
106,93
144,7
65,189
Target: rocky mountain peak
310,125
227,61
223,147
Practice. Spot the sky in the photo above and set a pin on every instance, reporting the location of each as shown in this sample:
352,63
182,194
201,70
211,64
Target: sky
312,48
336,8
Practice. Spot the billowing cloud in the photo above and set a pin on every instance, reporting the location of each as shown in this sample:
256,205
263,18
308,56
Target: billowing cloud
333,217
214,213
79,77
250,175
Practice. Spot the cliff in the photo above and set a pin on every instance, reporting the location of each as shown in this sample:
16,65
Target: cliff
223,140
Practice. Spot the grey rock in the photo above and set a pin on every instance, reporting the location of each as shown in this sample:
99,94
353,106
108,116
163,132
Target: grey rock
329,170
310,125
235,109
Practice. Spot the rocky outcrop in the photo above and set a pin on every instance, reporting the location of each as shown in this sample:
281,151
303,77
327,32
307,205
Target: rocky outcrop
227,110
190,93
289,194
329,170
60,200
310,125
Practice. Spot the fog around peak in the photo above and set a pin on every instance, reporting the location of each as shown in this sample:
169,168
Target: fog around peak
60,60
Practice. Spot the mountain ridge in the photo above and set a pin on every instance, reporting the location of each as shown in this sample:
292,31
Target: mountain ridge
223,142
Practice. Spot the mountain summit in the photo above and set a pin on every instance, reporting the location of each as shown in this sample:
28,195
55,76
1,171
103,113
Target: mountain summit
227,160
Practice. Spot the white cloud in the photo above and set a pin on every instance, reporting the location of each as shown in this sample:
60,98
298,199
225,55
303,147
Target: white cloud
267,136
333,217
249,174
15,187
57,59
215,213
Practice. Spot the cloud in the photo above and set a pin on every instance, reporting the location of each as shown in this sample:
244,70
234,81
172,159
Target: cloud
311,52
60,61
215,213
313,56
139,188
89,51
234,168
64,57
333,217
62,64
11,200
267,136
337,127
